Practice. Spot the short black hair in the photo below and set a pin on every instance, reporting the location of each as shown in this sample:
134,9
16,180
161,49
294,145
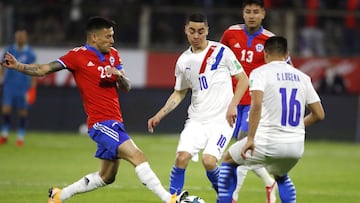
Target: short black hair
256,2
276,45
98,22
197,17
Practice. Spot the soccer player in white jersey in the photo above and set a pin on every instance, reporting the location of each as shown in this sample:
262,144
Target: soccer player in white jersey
205,69
279,95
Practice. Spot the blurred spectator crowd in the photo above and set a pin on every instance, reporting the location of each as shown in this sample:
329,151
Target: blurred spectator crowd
320,27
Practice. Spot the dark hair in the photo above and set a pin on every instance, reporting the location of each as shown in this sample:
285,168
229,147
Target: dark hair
256,2
97,22
276,45
197,17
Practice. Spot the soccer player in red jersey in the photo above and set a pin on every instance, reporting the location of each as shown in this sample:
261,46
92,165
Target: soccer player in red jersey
99,74
247,42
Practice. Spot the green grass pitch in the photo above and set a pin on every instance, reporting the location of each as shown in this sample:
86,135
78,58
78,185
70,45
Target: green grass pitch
328,172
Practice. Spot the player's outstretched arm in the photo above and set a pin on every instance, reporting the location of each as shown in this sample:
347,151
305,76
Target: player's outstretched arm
38,70
173,101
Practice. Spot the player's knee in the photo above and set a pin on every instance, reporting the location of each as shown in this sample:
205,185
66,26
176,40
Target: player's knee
227,158
182,159
209,162
139,157
136,157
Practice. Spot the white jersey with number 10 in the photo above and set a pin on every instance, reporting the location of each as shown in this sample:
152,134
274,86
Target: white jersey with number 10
208,75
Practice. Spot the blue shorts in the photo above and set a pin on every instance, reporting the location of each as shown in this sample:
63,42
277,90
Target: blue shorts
108,135
242,120
14,98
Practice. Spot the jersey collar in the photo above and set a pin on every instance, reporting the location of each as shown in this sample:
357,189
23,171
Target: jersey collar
252,36
99,54
25,48
255,33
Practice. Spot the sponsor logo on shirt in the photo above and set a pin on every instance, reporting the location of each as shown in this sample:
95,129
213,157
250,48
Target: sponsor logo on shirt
90,63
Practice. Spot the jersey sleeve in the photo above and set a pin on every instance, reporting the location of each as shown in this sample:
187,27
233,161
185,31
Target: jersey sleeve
231,62
257,80
311,94
68,60
229,37
224,38
180,77
117,63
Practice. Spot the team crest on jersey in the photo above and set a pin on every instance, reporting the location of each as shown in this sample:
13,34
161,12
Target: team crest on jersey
259,47
22,58
211,60
112,60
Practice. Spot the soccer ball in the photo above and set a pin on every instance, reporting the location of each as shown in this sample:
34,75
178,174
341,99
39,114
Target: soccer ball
192,199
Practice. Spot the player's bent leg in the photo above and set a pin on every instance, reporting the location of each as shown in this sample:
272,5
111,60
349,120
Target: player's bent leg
270,184
226,183
130,152
241,172
286,187
147,176
88,183
177,179
271,193
177,174
212,170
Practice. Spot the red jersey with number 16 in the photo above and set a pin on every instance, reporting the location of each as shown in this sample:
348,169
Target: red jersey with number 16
98,90
248,48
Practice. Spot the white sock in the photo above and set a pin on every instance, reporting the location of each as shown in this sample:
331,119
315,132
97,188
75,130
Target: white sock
241,172
88,183
265,176
151,181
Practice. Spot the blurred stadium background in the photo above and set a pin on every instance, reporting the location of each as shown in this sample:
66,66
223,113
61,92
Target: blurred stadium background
323,35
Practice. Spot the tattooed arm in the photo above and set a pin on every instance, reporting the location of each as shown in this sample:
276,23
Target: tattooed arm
123,81
38,70
173,101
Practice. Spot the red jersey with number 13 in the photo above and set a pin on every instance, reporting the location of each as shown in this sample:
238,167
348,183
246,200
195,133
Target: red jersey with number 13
249,50
98,90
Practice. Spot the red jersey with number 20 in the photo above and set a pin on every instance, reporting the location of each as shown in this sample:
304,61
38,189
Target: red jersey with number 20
249,50
98,90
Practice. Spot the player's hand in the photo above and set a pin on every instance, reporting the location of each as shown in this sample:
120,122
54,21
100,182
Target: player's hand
9,61
152,122
231,115
248,146
114,71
